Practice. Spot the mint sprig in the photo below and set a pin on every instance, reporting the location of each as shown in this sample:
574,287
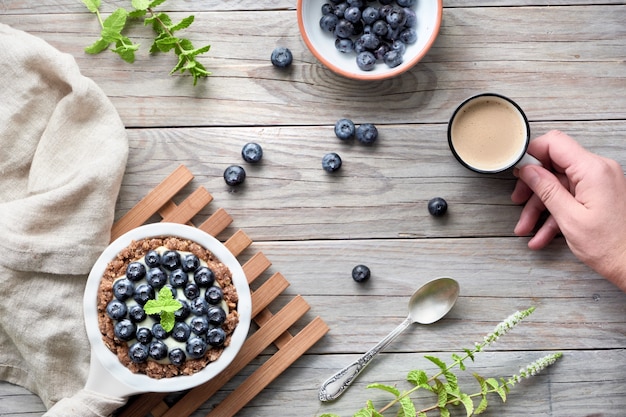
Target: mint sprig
165,305
165,40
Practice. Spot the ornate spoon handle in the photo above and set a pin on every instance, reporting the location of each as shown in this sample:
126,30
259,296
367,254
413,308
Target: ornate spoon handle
338,383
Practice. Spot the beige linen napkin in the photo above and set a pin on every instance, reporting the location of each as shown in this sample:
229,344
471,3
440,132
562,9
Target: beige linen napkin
63,151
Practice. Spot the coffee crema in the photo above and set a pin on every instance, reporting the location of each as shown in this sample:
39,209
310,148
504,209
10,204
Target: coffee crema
488,133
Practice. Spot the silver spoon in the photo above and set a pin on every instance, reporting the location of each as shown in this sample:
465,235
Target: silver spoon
427,305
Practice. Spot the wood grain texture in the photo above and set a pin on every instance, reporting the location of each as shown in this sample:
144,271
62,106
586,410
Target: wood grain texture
561,60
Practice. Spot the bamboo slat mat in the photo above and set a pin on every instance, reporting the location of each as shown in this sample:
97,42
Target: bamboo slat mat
272,328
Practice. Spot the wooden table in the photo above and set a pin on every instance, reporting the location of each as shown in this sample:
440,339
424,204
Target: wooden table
562,61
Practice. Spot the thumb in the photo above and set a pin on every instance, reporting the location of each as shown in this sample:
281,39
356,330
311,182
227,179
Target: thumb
557,199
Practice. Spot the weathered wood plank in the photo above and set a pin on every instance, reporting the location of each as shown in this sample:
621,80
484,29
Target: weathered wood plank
478,49
380,192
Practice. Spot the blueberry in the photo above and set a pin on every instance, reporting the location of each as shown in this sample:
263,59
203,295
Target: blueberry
405,3
135,271
352,14
411,18
384,11
327,8
396,17
370,41
361,273
344,45
344,129
281,57
199,325
183,312
331,162
198,306
152,259
252,152
328,22
159,332
367,133
408,36
216,316
116,309
382,49
344,29
437,206
125,330
216,337
204,277
370,15
234,175
157,350
399,46
392,58
196,348
138,352
191,291
181,332
178,278
123,289
214,295
379,28
366,60
143,293
190,262
170,259
137,314
340,9
177,356
144,335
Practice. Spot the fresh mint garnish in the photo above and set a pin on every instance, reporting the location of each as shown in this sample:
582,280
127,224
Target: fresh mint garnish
165,40
165,305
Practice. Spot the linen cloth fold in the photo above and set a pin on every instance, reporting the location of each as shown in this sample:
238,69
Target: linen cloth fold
63,151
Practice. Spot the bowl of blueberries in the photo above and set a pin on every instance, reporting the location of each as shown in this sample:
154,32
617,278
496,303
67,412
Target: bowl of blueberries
369,39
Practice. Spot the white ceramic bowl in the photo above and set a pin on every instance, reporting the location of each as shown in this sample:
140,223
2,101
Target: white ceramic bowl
107,374
322,44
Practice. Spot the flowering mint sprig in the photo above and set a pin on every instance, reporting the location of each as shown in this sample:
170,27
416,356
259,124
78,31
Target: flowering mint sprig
445,386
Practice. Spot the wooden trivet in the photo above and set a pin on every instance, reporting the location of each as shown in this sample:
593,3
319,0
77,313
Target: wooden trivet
272,327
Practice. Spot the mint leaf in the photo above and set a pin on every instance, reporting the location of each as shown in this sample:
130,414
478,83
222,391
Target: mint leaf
92,5
97,47
141,4
166,306
184,24
114,24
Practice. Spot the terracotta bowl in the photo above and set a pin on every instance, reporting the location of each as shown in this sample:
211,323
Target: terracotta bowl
322,43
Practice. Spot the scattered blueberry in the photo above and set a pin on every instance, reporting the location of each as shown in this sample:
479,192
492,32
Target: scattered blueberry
252,152
234,175
214,295
281,57
344,45
196,347
116,309
123,289
216,337
157,350
392,58
178,278
361,273
367,133
138,352
331,162
177,356
437,206
328,22
135,271
204,277
198,306
190,262
344,29
125,330
344,129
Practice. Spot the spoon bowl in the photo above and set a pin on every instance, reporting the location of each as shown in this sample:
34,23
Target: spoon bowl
430,303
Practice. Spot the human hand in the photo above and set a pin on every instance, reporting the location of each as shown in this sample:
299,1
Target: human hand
585,196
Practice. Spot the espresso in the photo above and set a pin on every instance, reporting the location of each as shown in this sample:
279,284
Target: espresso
489,134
